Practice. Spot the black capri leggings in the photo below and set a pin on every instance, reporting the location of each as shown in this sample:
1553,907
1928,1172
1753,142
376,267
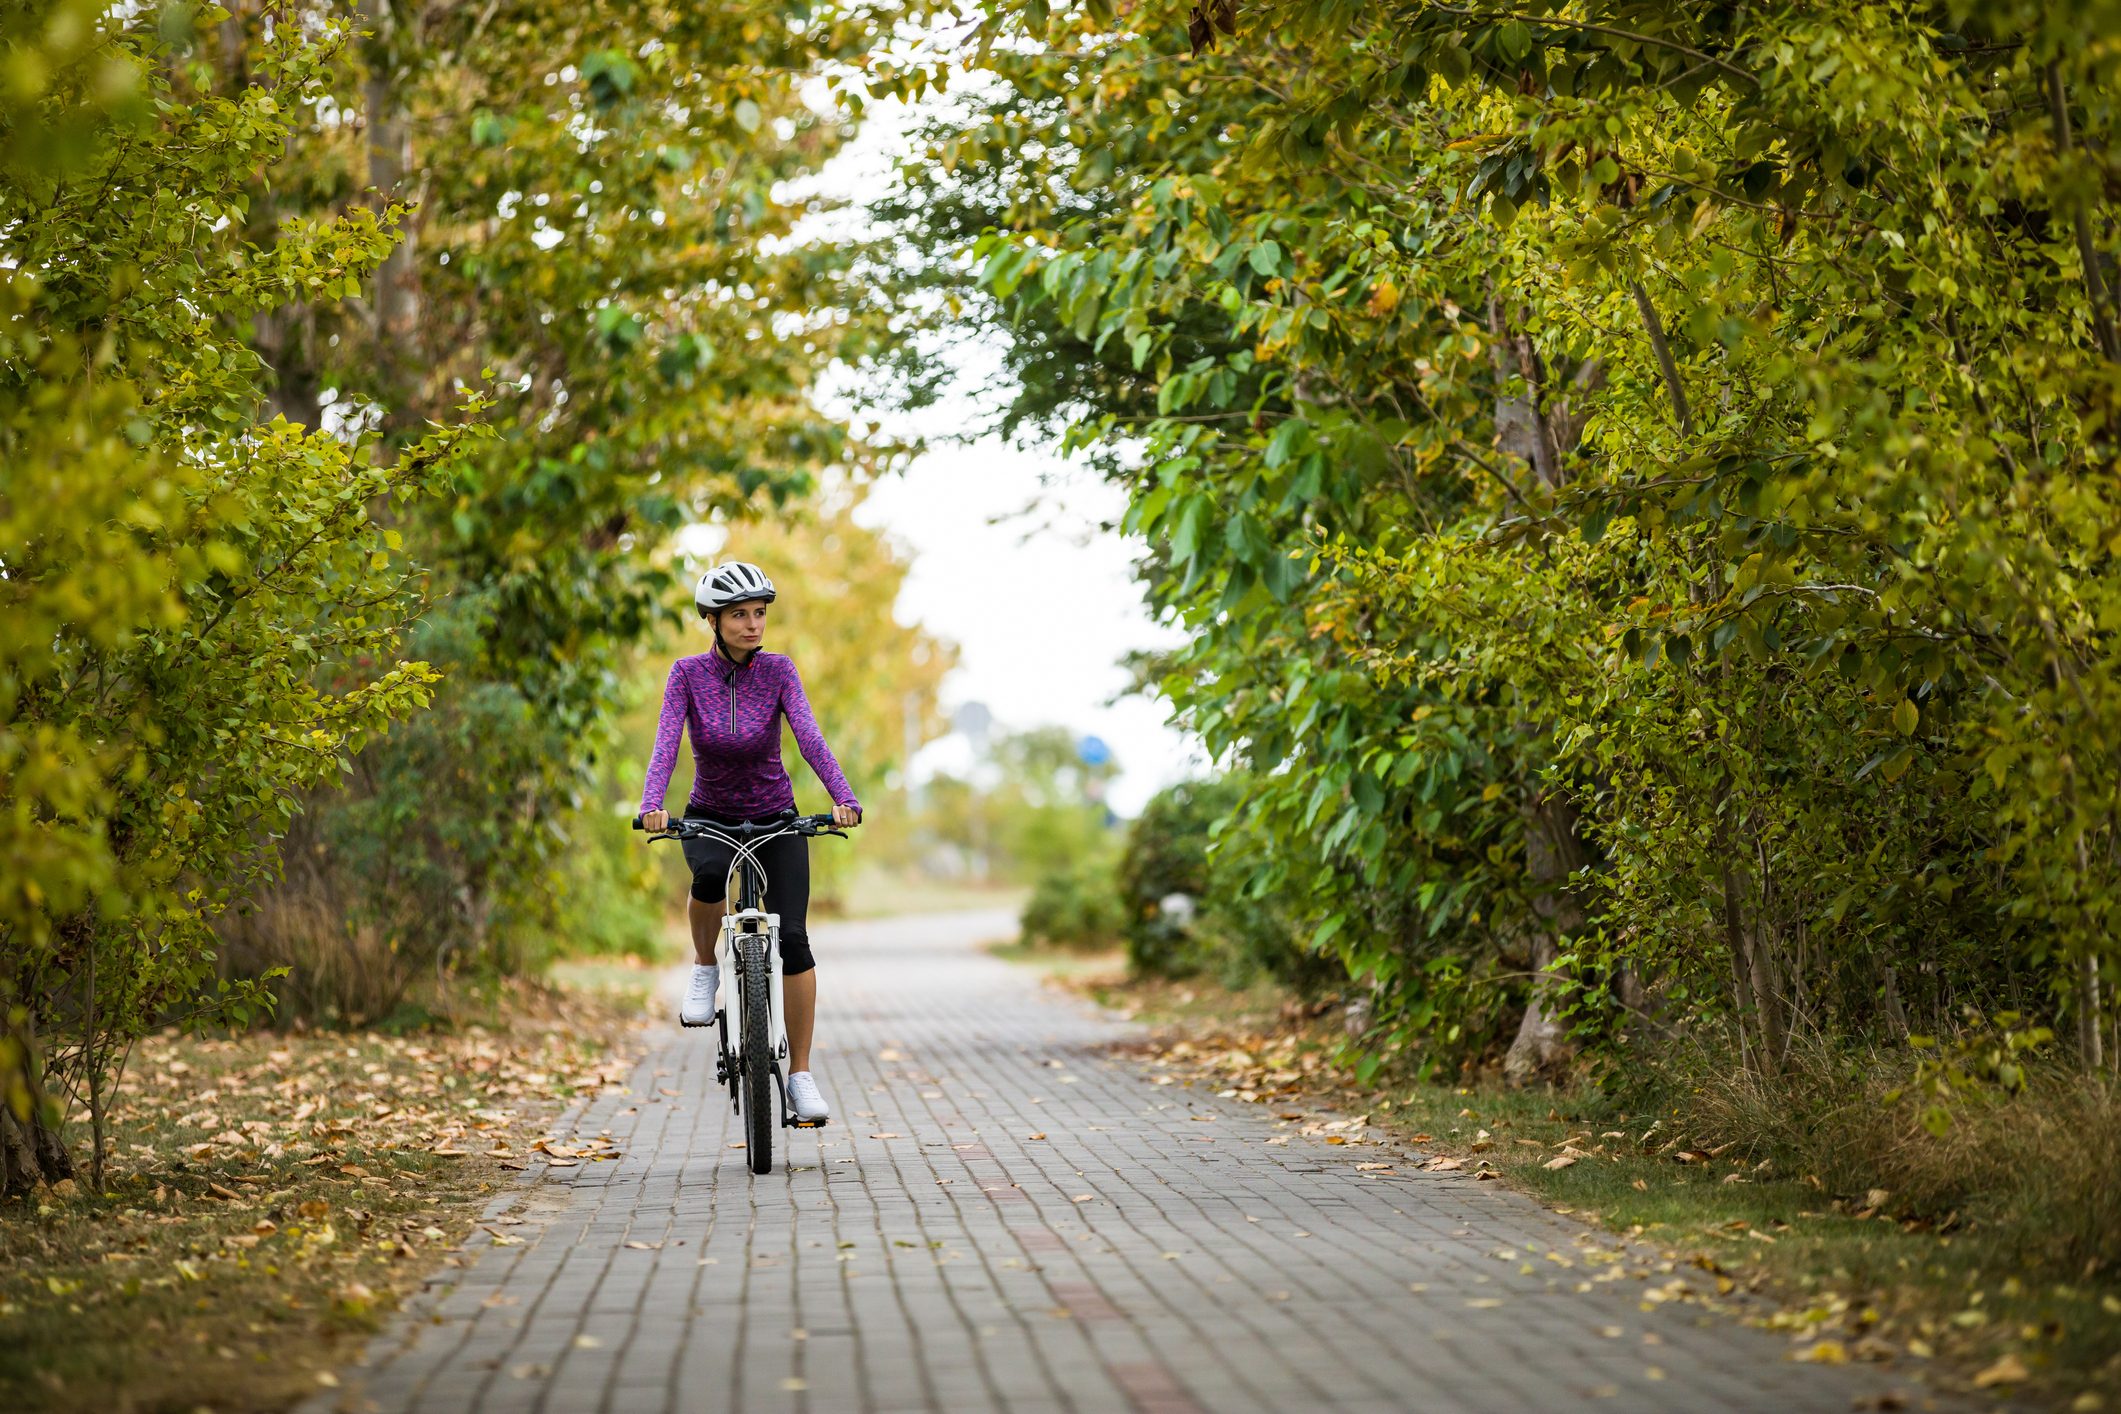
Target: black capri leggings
786,862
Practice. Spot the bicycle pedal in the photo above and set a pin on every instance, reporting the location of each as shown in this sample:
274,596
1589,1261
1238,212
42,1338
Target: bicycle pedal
809,1123
693,1025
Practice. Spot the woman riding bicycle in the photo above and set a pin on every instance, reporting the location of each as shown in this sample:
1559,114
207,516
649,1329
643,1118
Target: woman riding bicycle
732,701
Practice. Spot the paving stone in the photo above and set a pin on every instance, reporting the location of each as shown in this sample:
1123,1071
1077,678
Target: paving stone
927,1250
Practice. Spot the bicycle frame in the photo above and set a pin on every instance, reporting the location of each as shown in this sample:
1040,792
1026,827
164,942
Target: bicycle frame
748,916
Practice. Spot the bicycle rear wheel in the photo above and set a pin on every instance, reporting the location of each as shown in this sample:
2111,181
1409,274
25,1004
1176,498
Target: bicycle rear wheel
761,1105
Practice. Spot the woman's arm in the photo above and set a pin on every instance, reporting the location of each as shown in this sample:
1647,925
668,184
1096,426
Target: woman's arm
811,742
676,697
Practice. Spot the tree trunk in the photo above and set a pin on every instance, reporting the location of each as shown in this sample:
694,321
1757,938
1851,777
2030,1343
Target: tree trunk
1554,852
1757,993
2089,1038
1536,424
396,307
31,1152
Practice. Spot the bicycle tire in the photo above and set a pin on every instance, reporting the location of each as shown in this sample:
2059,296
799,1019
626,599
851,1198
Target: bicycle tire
761,1106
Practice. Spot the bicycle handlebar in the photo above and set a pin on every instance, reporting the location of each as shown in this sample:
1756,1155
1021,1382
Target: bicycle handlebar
681,828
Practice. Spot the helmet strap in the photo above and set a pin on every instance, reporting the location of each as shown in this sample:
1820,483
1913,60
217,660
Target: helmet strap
722,645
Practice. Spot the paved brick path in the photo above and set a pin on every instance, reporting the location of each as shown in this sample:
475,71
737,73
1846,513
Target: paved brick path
1001,1216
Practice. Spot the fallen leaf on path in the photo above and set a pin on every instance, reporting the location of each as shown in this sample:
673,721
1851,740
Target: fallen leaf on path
887,1135
2009,1370
1373,1168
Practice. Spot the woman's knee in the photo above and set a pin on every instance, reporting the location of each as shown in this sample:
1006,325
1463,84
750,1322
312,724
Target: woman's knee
795,952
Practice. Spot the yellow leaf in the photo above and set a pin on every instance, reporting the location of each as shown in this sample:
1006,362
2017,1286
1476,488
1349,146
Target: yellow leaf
2009,1370
1824,1352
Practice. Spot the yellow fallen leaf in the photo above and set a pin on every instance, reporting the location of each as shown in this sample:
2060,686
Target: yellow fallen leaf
1824,1352
1559,1161
2009,1370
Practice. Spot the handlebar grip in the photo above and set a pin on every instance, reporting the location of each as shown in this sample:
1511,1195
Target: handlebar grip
637,822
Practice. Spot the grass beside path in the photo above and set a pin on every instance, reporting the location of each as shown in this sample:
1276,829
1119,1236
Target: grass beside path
271,1197
1836,1273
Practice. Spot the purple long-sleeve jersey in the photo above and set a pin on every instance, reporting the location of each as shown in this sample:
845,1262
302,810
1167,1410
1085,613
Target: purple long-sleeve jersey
734,716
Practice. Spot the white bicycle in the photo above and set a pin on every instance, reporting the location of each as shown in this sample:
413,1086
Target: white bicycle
747,1002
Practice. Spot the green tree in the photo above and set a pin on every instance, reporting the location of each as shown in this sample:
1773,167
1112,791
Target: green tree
605,214
200,608
1635,473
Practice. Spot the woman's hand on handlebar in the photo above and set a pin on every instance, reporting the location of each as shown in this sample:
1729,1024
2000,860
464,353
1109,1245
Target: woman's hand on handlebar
846,816
656,821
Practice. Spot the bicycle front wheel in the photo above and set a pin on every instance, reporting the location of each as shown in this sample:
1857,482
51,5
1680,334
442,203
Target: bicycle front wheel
761,1105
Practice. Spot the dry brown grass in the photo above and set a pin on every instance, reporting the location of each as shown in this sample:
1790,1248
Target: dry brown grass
2042,1166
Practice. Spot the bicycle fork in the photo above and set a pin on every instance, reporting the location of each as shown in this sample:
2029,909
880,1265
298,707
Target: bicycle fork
729,1012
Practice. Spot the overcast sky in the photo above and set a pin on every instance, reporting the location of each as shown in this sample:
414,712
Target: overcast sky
1042,606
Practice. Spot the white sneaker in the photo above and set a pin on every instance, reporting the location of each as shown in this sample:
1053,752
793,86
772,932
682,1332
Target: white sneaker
803,1095
698,1006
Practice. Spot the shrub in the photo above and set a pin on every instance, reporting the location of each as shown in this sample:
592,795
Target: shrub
1073,906
1188,904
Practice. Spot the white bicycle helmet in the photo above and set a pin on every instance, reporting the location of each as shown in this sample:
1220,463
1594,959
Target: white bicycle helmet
733,583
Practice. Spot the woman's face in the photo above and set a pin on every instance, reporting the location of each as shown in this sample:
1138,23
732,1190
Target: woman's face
744,625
